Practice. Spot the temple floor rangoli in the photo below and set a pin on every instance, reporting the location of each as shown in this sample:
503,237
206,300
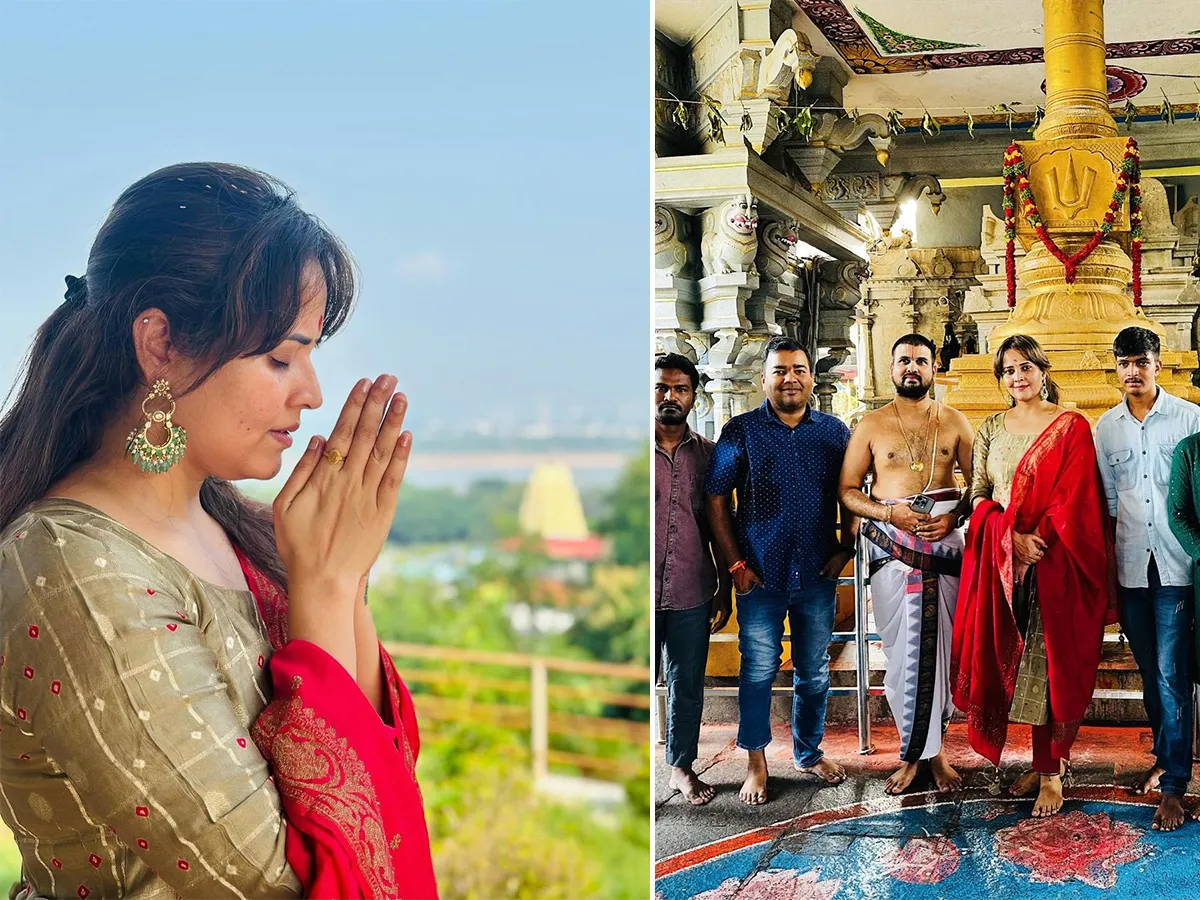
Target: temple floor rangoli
853,841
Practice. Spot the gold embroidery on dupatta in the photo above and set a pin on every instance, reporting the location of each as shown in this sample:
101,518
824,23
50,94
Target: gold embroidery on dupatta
319,771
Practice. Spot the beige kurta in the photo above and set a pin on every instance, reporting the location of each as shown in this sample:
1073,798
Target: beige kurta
127,691
995,459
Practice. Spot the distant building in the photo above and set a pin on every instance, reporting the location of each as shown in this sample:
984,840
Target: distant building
551,515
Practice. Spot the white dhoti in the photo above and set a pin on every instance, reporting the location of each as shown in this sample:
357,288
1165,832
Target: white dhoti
914,590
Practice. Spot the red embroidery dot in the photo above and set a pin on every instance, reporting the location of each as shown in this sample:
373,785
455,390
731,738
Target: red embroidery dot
24,756
241,742
1,659
171,626
183,864
29,671
150,591
33,631
21,714
83,891
94,860
142,811
54,862
55,687
143,843
182,616
260,661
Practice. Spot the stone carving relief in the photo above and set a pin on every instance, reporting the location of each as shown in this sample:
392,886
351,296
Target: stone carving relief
776,260
1187,220
730,240
770,74
887,242
1156,212
671,253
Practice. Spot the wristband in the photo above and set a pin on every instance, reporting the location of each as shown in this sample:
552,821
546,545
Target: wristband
888,520
740,564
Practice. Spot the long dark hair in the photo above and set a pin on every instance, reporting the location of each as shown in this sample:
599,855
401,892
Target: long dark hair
220,249
1032,351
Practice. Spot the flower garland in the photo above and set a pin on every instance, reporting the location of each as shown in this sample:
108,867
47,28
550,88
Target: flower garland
1016,184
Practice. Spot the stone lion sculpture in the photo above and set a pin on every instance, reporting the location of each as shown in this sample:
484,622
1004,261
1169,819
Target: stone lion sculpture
730,240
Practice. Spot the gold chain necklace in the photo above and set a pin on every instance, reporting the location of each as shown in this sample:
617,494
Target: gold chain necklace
917,465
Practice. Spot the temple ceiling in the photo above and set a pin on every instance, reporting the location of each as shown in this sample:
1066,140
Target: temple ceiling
947,54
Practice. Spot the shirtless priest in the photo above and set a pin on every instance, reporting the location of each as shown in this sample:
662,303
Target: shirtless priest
915,546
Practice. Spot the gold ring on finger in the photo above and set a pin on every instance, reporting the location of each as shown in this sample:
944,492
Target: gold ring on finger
334,457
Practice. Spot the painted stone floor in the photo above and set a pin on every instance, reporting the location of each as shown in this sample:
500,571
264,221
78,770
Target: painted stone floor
812,841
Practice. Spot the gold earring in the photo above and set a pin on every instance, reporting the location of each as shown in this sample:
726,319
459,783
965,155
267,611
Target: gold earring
148,456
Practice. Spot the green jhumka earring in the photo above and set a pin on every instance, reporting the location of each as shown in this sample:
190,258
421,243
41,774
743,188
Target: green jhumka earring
154,458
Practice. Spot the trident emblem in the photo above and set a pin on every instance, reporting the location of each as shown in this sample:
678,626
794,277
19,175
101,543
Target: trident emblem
1071,197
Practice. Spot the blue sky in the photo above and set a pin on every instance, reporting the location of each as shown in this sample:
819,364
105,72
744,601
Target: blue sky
486,161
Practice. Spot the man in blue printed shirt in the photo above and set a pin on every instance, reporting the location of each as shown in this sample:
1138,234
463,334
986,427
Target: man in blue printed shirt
1134,444
783,459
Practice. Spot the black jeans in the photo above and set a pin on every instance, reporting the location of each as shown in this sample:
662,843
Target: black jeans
682,637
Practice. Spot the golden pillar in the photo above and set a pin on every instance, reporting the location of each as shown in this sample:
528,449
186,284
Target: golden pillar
1072,164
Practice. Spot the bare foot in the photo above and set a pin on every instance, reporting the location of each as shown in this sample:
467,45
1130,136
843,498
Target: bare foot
1149,783
899,780
1025,784
1049,799
689,784
1169,815
1196,813
754,788
944,775
826,769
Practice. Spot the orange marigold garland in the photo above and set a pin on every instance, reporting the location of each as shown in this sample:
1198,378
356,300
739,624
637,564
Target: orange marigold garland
1016,185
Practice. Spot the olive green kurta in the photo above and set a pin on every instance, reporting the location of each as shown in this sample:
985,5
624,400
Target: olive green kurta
127,691
995,458
1183,503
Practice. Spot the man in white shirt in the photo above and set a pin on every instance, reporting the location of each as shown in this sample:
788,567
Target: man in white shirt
1134,444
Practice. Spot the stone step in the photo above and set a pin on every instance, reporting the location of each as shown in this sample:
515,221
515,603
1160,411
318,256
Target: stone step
1117,674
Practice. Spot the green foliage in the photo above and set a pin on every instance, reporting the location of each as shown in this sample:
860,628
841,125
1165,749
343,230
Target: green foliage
627,522
494,837
484,512
615,626
10,860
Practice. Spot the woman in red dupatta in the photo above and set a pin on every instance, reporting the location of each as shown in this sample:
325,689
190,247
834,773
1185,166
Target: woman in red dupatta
346,774
206,292
1038,572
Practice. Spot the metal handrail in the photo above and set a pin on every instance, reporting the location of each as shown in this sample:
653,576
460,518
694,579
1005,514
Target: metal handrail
862,673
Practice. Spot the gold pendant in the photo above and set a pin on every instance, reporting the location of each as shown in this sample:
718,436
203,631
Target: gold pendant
918,466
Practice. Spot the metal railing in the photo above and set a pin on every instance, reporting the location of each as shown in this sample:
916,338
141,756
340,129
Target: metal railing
550,698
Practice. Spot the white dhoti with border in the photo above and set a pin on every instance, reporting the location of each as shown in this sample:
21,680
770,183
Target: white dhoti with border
914,590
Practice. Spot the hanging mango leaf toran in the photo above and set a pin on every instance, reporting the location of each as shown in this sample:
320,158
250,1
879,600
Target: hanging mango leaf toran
970,123
1007,109
1130,114
679,113
716,120
1038,114
747,122
930,125
1167,111
895,126
803,123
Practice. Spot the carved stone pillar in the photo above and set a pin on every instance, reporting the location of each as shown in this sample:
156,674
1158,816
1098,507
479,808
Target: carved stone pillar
909,290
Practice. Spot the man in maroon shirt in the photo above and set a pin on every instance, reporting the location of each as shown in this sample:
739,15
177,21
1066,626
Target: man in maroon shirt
692,593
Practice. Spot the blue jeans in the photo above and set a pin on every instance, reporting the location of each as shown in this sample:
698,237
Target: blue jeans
760,616
1158,622
682,637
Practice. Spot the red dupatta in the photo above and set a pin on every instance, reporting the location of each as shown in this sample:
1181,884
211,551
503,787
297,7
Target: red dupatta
1058,493
346,777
